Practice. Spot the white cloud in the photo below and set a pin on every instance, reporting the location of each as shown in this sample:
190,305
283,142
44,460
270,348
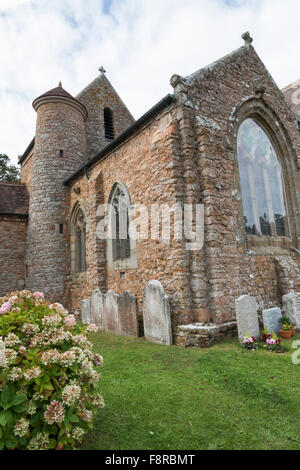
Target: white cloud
141,43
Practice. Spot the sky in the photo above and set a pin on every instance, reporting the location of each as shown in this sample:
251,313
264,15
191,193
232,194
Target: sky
141,44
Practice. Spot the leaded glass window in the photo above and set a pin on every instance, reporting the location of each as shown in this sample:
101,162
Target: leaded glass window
120,224
261,182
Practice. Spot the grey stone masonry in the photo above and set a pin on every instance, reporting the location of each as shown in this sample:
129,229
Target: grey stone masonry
291,307
156,312
86,311
246,316
97,308
111,312
128,315
271,318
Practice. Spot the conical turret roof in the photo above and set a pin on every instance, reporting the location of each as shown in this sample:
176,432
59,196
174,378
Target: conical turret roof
59,94
57,91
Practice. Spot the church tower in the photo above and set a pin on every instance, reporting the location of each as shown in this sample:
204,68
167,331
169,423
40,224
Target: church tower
59,150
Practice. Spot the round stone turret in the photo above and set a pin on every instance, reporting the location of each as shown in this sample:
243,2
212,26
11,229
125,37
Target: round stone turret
59,150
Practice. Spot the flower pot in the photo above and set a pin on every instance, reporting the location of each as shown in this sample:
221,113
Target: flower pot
285,334
293,331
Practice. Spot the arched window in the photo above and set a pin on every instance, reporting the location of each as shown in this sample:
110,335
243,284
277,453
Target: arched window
108,124
119,220
261,182
79,241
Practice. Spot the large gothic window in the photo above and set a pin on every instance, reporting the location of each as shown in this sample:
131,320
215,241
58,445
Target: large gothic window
79,230
119,219
261,182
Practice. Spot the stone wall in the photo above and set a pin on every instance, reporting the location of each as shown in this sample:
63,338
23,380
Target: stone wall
211,104
95,97
187,154
145,164
12,252
26,172
60,127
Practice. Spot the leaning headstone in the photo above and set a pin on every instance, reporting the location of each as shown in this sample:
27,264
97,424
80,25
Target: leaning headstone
291,307
128,315
156,312
97,308
86,311
271,318
246,316
111,313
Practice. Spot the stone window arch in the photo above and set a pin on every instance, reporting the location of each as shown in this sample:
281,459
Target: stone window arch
283,142
109,132
78,241
261,180
121,248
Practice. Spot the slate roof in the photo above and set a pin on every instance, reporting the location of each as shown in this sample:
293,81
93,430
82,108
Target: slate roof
58,91
14,198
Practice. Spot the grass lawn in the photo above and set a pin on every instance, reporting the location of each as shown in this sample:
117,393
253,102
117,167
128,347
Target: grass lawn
160,398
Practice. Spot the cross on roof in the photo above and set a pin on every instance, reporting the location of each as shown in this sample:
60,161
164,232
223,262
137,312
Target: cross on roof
247,38
102,69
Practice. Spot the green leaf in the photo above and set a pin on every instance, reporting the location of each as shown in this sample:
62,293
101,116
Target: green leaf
11,442
20,398
20,408
52,443
74,419
35,418
6,418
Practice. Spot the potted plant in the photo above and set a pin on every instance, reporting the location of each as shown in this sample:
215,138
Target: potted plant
287,328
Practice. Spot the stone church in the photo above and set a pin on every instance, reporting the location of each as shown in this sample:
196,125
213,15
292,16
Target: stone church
227,139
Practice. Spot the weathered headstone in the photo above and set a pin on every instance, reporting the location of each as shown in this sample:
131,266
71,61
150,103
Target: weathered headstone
111,312
97,308
156,312
291,307
246,316
271,318
128,315
86,311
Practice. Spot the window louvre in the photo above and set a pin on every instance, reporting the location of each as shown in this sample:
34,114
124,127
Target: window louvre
108,124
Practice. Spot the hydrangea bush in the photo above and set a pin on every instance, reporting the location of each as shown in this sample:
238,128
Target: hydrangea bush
48,378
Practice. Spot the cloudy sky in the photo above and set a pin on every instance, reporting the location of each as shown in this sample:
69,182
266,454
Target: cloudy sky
141,43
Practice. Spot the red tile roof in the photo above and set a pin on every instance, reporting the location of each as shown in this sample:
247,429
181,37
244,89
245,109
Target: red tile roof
14,198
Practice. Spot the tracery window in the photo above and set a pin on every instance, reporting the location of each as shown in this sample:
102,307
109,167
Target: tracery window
261,182
119,220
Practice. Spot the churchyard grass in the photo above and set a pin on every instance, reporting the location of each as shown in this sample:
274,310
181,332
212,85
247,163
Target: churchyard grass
225,397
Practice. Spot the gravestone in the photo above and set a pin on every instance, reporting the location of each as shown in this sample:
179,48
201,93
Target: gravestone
111,312
271,318
246,316
156,312
86,311
97,308
128,315
291,307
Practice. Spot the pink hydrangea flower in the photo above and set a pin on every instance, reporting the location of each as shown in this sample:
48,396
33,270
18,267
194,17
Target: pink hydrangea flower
5,308
93,328
38,295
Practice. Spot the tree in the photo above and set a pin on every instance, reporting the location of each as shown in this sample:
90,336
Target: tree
8,172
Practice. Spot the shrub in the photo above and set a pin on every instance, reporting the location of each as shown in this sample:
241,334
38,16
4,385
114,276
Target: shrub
48,380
